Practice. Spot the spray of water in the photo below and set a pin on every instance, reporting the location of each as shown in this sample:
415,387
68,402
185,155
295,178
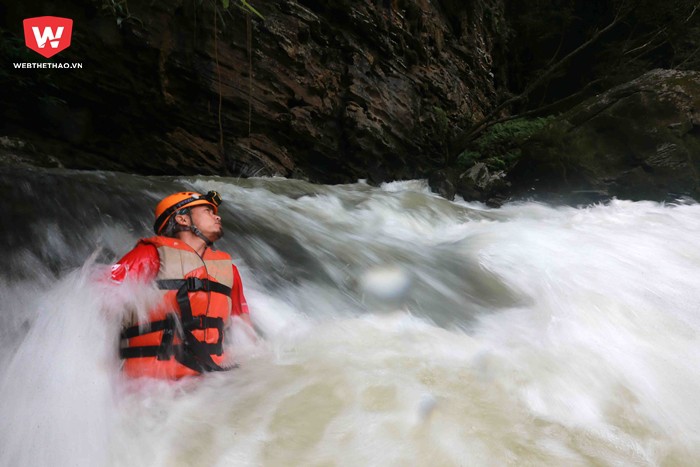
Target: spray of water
57,385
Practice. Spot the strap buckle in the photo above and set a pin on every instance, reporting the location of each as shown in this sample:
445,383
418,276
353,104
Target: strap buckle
166,350
197,322
195,283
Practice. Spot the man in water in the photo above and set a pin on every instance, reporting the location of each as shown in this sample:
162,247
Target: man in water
201,290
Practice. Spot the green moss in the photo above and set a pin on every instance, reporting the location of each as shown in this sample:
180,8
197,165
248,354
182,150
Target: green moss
499,146
441,120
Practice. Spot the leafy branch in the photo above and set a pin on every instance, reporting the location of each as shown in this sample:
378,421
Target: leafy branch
244,5
461,141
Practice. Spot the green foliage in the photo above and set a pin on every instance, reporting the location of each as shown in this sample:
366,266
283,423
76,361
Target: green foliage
119,9
468,158
504,134
244,5
499,146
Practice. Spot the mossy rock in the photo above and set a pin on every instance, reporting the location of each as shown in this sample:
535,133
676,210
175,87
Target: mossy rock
640,140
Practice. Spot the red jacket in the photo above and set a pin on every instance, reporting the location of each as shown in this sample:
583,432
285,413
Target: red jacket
211,296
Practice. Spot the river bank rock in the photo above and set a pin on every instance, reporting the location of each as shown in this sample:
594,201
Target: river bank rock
640,140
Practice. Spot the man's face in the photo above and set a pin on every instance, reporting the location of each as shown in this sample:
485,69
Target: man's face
208,222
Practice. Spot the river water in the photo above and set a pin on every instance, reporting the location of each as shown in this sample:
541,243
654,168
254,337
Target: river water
396,329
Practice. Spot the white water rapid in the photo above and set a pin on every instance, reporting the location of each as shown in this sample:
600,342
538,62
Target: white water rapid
396,329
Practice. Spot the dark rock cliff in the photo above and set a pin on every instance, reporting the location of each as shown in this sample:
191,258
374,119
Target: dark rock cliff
640,140
331,91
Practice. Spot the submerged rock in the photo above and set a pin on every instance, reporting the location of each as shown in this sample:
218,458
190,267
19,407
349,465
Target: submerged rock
477,183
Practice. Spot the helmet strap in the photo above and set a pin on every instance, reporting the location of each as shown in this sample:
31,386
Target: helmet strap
197,232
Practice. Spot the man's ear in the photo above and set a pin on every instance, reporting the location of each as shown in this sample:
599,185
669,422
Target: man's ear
182,219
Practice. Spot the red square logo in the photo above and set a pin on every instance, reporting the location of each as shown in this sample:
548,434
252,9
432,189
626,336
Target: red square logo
48,35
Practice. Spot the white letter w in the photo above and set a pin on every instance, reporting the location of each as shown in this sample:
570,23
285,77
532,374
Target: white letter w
47,35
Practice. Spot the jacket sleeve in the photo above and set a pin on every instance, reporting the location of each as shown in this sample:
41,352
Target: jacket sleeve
239,306
140,264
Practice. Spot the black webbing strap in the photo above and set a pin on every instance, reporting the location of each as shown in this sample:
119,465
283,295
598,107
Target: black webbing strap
192,352
170,327
194,284
135,331
153,350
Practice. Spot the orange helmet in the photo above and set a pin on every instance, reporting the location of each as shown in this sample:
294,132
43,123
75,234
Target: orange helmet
185,199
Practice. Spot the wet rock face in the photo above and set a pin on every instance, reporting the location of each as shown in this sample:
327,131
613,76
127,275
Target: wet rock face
332,91
640,140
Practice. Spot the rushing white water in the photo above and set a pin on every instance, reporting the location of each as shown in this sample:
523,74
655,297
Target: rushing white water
396,328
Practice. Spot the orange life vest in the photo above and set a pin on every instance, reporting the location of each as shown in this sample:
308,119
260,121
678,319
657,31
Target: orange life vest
184,335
